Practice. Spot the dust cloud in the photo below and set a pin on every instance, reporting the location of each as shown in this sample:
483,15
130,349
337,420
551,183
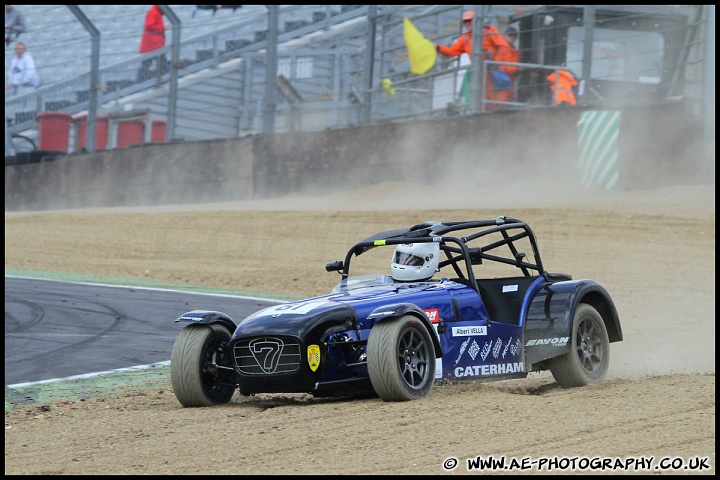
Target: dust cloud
653,248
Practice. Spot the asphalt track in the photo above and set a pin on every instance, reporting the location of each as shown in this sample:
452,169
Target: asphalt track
58,329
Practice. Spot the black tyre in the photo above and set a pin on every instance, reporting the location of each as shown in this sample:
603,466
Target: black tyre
401,359
196,380
589,356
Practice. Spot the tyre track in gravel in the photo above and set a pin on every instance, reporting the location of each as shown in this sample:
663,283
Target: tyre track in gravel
627,430
653,250
566,441
566,438
294,434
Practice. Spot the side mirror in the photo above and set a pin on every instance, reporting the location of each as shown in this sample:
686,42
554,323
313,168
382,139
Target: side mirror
334,266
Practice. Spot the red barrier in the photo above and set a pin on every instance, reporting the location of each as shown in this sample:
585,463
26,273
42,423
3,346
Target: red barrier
54,131
101,132
131,132
159,131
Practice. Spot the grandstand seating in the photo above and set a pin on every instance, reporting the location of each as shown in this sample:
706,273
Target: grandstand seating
61,46
218,96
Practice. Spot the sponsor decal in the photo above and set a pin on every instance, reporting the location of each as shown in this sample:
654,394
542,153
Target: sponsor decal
494,369
313,353
486,349
555,341
510,288
381,314
463,346
467,331
267,352
507,346
496,348
433,315
192,319
474,349
515,347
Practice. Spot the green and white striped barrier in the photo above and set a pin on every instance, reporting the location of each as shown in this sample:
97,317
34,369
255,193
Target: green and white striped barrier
598,142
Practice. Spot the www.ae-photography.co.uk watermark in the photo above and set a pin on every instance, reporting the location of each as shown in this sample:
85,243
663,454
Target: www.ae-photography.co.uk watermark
580,464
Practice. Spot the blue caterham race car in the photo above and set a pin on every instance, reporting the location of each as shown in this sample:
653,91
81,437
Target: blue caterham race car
465,300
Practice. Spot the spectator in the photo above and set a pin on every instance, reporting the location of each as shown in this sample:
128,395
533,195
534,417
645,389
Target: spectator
153,38
14,24
508,53
561,86
511,35
22,70
493,44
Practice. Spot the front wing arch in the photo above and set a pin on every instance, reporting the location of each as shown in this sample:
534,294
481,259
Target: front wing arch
399,309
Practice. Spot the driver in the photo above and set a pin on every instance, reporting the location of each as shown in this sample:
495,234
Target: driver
415,262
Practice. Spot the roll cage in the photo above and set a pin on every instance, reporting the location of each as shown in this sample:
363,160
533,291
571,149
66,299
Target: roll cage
459,255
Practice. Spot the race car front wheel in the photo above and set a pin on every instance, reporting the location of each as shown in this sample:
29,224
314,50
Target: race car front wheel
196,380
588,359
401,359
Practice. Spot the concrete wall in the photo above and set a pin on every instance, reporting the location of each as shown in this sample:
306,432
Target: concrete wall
661,146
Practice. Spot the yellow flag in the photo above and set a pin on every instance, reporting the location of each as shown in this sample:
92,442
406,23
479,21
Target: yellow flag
421,51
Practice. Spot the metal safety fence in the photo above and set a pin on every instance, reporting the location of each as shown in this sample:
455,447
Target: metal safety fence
343,66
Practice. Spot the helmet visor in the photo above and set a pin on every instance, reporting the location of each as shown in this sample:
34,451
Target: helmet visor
405,258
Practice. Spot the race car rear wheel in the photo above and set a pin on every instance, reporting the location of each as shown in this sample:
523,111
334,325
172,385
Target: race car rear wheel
196,380
401,359
589,356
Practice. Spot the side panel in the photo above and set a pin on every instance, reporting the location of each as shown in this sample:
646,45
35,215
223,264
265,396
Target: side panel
549,322
548,326
476,347
475,351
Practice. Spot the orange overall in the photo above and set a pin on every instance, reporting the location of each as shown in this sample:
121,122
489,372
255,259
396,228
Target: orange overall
562,87
497,48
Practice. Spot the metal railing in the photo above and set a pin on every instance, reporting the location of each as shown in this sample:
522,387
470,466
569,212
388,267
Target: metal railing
222,78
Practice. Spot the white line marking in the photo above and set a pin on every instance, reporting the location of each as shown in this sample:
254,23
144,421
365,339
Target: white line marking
225,295
90,375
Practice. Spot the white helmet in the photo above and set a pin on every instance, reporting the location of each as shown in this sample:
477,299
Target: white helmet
413,262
